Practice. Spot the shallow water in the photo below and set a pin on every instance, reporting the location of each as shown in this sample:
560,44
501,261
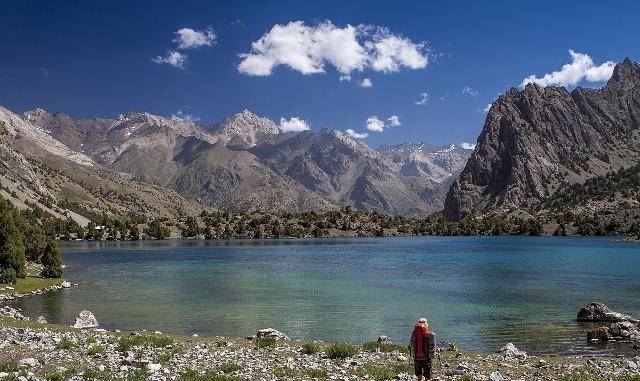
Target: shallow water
480,292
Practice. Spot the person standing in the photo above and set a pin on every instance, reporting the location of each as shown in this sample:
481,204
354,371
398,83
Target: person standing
422,349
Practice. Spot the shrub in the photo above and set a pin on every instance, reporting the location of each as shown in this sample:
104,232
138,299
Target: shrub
341,351
310,348
316,373
630,377
9,367
282,372
266,342
97,375
580,377
95,350
8,276
163,358
65,343
384,347
453,347
125,343
192,375
380,373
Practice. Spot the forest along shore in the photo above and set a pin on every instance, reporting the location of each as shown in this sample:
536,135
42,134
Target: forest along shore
32,350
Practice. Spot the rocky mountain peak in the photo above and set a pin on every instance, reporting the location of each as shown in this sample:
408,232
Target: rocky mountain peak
245,129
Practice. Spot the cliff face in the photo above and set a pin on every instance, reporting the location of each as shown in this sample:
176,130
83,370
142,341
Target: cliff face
539,139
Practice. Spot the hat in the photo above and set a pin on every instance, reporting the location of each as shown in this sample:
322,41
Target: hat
422,320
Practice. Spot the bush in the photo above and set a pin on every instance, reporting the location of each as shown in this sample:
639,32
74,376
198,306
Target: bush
310,348
266,342
282,372
95,350
372,346
9,367
125,343
65,343
341,351
580,377
192,375
316,373
8,276
380,373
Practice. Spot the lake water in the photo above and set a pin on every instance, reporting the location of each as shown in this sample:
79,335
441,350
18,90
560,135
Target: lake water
480,292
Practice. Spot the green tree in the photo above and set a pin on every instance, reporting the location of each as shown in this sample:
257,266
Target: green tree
51,262
11,245
157,230
134,232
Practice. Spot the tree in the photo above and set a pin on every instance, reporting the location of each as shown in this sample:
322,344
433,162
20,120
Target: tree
134,232
11,246
91,230
157,230
51,262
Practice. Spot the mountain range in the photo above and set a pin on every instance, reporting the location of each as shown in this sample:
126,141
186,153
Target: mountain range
147,164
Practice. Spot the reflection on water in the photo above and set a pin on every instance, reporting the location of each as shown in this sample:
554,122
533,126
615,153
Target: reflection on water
478,291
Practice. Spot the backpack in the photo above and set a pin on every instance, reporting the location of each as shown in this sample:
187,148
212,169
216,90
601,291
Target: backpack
420,341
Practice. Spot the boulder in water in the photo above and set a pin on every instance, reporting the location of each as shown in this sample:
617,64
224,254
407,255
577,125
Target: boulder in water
598,312
86,320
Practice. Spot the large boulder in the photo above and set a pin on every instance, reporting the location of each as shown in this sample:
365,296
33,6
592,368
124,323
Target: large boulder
510,351
598,312
86,320
270,332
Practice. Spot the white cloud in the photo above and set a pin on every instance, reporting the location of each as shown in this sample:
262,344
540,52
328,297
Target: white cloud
469,91
466,145
184,117
173,58
356,135
374,124
571,74
394,121
486,108
345,78
423,100
390,52
308,49
294,124
366,83
44,71
188,38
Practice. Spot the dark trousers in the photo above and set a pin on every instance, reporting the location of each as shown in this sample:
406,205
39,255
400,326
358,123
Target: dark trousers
423,367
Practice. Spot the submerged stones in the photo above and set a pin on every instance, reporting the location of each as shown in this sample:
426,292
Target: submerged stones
86,319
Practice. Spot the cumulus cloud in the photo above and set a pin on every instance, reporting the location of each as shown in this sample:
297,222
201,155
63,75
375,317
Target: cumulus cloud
581,67
469,91
466,145
294,124
423,100
188,38
173,58
184,117
366,83
374,124
308,49
356,135
345,78
394,121
390,52
486,108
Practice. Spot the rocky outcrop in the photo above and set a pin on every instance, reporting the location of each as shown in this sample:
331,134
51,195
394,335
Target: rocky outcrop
600,313
271,332
622,327
538,139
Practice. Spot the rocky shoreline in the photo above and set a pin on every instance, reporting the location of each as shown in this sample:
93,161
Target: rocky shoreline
31,350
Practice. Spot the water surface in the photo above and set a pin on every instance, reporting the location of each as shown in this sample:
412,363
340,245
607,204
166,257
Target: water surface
480,292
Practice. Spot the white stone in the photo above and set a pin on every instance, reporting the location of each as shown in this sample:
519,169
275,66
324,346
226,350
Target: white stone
496,376
86,320
30,361
65,284
42,320
153,368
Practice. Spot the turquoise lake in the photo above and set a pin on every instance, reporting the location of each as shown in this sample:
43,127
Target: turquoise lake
480,292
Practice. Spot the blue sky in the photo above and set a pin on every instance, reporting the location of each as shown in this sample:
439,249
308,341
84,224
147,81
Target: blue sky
91,58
